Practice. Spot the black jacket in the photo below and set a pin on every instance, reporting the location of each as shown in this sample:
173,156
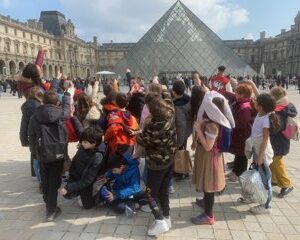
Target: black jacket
28,108
280,144
84,168
46,114
183,120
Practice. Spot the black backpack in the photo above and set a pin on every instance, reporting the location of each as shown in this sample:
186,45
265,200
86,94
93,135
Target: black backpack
52,142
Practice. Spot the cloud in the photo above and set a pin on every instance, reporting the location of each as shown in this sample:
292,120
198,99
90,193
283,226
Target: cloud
6,4
128,20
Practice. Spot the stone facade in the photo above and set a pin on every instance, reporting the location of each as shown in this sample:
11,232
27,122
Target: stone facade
110,53
20,42
280,54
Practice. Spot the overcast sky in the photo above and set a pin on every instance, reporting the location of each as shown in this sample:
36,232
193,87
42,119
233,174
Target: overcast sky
129,20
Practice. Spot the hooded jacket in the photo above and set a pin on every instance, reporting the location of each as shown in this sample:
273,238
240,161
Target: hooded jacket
85,167
280,144
28,108
46,114
159,140
128,182
243,115
183,120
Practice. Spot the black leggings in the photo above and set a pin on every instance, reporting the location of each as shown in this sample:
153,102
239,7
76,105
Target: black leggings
158,182
209,201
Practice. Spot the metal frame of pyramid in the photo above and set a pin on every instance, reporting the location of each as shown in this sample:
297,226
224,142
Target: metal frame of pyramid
180,42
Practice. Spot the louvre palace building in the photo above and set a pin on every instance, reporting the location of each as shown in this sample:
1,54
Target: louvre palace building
20,42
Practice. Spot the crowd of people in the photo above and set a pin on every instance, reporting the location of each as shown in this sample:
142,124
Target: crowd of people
152,124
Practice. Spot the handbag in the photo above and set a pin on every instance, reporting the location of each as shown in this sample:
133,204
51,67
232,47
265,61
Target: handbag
183,162
252,186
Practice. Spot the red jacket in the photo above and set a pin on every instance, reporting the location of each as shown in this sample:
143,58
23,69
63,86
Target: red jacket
218,83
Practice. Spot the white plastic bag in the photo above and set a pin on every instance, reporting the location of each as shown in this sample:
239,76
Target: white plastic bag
253,188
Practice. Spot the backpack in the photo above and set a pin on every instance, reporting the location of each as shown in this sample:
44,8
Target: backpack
292,129
52,142
225,137
120,125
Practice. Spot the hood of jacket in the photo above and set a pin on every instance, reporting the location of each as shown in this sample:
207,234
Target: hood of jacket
181,101
48,113
110,107
288,111
30,104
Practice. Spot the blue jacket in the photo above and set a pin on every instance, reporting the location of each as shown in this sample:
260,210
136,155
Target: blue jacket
128,182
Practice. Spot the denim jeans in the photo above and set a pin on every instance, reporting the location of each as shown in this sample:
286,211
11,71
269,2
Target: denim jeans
266,176
36,167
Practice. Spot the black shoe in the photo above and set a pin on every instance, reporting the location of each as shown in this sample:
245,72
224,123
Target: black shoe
40,188
285,191
200,202
181,177
55,214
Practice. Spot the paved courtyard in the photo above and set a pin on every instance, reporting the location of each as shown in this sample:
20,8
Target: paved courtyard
22,209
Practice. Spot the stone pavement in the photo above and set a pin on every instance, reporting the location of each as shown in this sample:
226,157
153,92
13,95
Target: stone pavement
22,210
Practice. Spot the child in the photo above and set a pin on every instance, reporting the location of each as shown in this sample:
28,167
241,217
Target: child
208,173
85,167
35,99
183,119
119,135
281,144
126,187
159,140
48,141
265,123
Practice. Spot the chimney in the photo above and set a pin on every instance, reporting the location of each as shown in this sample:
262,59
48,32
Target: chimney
262,35
282,31
95,40
293,27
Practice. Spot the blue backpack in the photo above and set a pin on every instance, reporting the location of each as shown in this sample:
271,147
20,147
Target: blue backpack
225,138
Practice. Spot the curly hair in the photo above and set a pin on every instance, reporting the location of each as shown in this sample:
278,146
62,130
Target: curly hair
83,106
158,107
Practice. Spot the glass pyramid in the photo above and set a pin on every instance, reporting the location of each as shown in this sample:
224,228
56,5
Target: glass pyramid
179,42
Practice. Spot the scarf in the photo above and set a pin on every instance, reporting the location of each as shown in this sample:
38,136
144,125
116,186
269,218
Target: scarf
213,111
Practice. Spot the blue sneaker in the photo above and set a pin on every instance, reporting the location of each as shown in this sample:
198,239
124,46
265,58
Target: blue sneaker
203,219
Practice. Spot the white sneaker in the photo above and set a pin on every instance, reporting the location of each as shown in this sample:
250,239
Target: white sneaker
171,190
158,227
146,208
260,209
168,221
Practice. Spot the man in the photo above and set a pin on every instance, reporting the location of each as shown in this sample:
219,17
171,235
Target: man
220,83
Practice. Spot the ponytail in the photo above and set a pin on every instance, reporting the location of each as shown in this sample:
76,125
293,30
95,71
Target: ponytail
275,124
